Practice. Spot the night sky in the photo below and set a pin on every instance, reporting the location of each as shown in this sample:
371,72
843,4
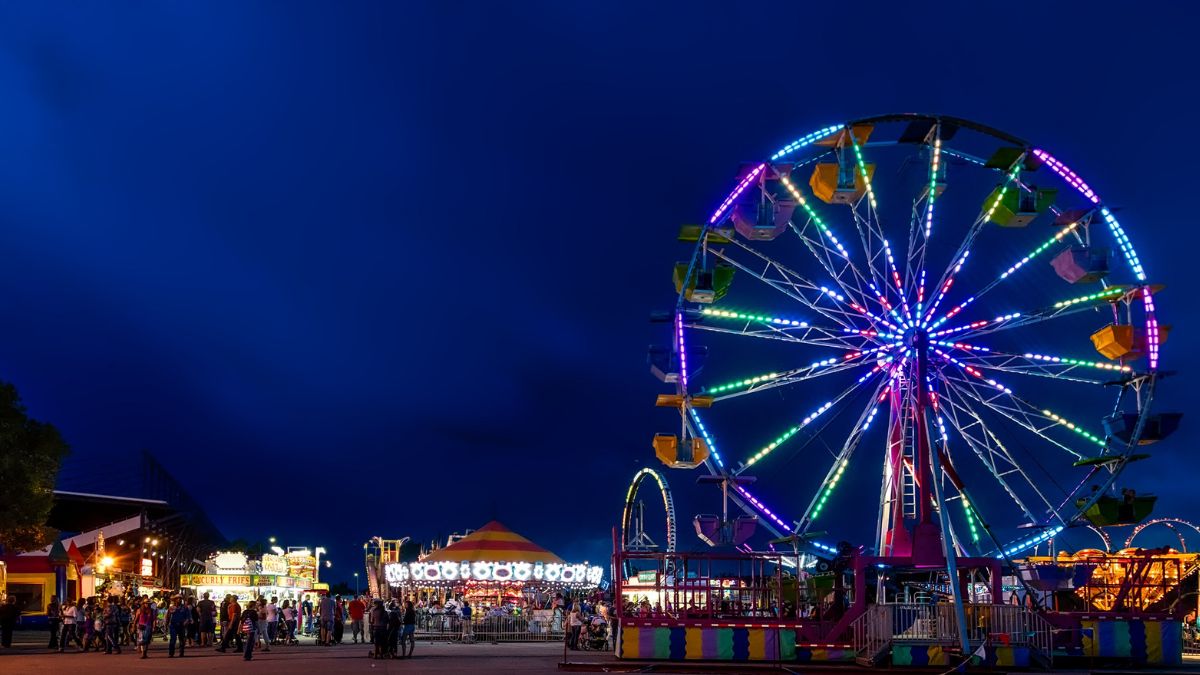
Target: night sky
393,262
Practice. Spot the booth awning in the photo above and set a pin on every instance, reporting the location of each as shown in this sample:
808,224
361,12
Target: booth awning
493,543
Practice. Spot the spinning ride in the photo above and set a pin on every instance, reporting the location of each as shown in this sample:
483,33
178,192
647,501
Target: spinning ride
944,277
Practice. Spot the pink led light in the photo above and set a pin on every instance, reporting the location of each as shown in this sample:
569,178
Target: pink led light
1067,174
682,353
1152,336
737,192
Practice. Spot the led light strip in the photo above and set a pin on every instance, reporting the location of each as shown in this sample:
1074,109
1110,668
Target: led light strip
745,316
766,450
1058,236
1102,295
970,518
862,168
683,374
833,481
1118,232
942,295
1078,362
712,447
812,213
1030,543
738,384
1075,427
737,192
806,140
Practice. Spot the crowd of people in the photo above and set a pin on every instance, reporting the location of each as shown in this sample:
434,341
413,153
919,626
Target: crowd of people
114,623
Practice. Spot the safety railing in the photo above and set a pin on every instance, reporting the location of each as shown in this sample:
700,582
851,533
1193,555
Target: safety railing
884,624
533,627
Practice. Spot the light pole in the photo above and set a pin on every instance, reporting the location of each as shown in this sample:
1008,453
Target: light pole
356,584
317,574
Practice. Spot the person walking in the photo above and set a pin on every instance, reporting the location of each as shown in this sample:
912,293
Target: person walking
250,628
272,621
69,614
145,625
325,612
395,619
179,619
357,609
53,620
112,627
207,610
408,635
339,620
233,623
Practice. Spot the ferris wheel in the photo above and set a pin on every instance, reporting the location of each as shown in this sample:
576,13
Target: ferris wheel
920,318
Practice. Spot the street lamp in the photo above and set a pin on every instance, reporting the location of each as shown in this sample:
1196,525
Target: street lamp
356,584
317,573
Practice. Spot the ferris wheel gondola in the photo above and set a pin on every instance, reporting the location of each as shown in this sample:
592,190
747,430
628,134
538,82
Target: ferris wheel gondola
933,317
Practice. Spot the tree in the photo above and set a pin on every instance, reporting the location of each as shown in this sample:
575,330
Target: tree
30,455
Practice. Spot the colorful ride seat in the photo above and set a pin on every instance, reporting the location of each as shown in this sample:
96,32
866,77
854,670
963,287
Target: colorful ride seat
1018,207
1081,264
715,532
714,235
705,285
676,456
1128,509
1156,428
1122,341
762,219
839,183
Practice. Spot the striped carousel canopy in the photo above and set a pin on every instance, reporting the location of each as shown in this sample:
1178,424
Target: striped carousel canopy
493,543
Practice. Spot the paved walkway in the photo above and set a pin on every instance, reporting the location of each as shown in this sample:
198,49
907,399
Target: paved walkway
29,655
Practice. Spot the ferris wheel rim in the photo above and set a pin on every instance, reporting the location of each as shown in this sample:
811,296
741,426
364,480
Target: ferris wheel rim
1119,459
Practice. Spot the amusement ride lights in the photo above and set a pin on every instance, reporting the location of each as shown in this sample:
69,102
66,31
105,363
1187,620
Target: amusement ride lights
896,342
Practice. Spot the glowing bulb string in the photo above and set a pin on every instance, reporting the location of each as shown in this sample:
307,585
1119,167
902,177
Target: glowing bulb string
808,419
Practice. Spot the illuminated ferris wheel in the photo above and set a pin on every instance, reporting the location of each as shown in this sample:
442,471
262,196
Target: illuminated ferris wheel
919,317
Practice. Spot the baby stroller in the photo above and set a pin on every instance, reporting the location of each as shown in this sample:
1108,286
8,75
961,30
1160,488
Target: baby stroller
594,635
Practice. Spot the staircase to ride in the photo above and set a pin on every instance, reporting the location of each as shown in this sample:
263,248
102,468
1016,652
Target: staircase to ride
882,625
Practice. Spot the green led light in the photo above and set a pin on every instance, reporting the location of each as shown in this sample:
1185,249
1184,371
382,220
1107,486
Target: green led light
749,381
744,316
862,169
1102,295
1075,427
970,519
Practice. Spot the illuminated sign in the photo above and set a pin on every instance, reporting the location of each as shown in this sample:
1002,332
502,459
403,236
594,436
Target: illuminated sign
230,562
562,573
147,567
274,564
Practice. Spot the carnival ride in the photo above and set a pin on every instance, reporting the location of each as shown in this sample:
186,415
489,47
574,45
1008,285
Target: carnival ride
633,528
956,308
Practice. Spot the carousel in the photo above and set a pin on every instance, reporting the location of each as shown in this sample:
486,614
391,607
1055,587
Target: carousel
491,566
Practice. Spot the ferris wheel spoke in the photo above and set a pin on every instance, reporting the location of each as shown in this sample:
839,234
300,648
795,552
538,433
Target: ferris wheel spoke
923,220
842,460
1021,319
1054,239
964,249
757,383
990,451
1038,421
794,285
812,417
1065,370
838,267
811,336
826,247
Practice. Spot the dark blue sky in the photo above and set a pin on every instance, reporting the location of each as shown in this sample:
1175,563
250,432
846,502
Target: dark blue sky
396,258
